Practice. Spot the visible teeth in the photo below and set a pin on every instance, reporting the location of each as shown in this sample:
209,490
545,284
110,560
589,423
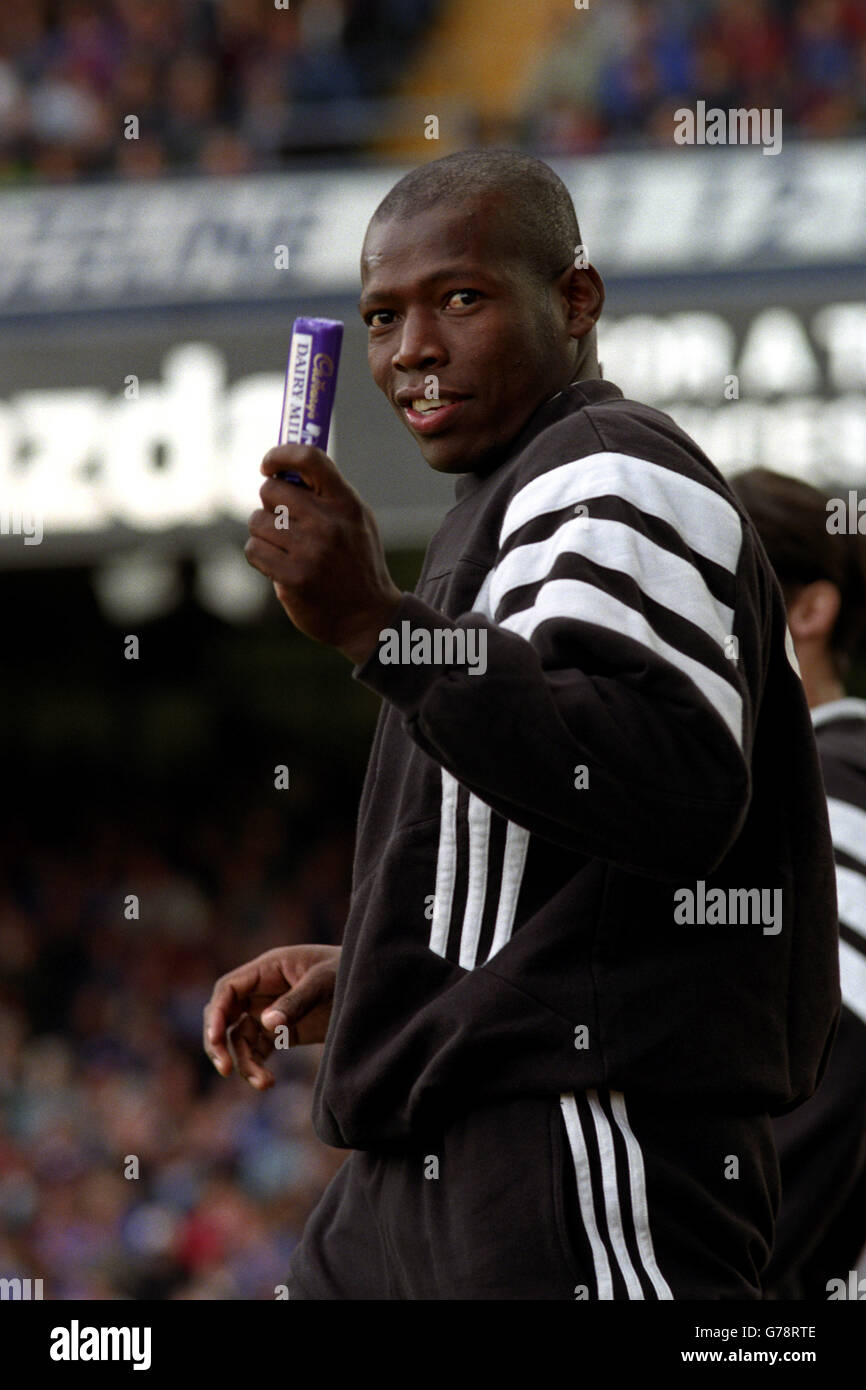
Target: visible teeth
423,404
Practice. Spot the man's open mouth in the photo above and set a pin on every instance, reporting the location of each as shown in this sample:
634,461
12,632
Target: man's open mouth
428,416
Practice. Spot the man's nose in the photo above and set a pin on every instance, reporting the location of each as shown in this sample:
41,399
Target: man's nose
420,344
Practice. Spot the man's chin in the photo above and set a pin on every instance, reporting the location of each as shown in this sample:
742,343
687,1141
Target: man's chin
465,463
446,460
450,455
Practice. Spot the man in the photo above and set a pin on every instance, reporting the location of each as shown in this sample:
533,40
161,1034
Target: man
591,945
821,1229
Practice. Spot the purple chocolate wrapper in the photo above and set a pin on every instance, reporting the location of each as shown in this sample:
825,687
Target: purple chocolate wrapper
311,384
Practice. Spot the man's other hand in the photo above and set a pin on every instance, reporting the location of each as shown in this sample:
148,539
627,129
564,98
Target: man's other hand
291,986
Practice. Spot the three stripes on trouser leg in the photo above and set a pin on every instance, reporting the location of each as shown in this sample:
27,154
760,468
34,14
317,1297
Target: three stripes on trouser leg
611,1191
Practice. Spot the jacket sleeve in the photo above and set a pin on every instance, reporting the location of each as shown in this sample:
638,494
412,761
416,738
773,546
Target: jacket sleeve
601,694
844,770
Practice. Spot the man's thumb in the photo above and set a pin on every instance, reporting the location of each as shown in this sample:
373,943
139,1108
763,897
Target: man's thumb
282,1011
291,1007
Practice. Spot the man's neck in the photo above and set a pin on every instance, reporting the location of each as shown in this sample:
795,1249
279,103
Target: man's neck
821,684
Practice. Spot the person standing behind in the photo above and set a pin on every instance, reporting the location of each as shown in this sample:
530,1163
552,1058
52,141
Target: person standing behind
821,1229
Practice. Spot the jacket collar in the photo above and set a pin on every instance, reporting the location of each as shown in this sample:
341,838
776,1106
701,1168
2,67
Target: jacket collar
557,407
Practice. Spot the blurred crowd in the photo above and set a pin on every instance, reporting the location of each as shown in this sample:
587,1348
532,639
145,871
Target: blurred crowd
221,86
226,86
101,1060
617,77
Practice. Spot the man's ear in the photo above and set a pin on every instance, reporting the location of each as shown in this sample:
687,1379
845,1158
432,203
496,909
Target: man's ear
813,611
582,290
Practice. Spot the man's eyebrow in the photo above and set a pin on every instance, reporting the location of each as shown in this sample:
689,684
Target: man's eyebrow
448,272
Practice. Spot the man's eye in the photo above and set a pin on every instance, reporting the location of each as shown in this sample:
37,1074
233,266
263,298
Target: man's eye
467,296
379,314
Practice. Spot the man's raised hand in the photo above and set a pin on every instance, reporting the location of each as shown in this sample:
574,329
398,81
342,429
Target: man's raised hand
320,546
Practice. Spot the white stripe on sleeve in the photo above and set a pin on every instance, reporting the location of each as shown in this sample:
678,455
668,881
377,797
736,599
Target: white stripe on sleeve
848,828
476,888
514,860
667,578
707,522
851,896
852,974
572,598
446,866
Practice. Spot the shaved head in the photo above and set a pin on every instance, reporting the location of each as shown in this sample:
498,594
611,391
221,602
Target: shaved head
537,212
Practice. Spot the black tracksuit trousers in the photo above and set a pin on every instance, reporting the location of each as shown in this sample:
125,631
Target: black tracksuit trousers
580,1196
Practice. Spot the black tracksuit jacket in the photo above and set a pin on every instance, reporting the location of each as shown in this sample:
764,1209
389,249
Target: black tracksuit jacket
527,830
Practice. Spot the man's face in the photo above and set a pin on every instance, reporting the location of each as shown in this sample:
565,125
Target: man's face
446,297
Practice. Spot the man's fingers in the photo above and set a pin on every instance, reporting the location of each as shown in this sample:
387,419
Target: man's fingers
251,1046
262,526
226,1005
276,1014
270,560
223,1009
318,471
290,1008
274,493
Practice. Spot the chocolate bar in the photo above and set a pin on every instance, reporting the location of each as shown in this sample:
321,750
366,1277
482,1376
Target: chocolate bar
311,384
